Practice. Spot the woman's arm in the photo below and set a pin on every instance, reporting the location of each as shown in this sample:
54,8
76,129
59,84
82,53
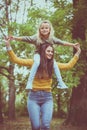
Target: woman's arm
29,62
72,62
14,58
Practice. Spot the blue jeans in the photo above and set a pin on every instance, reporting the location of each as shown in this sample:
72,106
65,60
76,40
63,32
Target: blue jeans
40,109
34,68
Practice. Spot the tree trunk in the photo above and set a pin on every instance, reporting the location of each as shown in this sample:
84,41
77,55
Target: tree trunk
1,117
78,102
11,103
58,106
60,112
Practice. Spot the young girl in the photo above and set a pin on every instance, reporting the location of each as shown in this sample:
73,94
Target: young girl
45,34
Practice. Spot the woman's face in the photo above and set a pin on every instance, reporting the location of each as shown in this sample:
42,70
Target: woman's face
49,52
45,29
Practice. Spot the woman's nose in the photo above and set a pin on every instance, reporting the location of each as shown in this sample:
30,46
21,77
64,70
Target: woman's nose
51,53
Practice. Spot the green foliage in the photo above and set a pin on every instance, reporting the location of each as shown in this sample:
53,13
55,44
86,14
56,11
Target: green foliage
35,13
27,29
60,17
21,102
60,4
4,93
61,20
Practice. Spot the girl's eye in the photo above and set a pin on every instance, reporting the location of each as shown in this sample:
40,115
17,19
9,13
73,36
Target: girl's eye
44,28
41,28
47,28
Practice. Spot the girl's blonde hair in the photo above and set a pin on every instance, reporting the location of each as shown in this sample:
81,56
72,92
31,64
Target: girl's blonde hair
39,39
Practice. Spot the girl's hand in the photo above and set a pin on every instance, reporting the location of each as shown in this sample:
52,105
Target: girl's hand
11,38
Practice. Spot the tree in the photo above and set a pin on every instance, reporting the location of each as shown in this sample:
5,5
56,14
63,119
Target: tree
1,117
78,104
5,25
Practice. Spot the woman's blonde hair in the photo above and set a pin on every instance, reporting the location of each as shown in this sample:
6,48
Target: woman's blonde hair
39,38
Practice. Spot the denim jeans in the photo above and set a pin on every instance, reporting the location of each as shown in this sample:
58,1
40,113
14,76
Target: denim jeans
40,109
34,68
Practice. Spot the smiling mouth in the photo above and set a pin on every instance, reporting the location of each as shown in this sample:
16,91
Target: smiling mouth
49,56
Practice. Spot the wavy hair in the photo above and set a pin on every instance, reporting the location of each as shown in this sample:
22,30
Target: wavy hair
45,69
51,34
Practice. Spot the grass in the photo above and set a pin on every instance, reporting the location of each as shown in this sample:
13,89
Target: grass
23,123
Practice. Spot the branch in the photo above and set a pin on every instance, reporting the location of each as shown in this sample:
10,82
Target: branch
1,67
1,73
17,7
8,76
2,32
1,6
24,11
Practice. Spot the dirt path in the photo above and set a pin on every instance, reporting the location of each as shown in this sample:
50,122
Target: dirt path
24,124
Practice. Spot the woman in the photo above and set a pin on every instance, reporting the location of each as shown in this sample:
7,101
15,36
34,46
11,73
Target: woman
45,33
40,100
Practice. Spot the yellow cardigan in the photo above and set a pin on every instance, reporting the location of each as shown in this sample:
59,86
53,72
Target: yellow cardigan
41,84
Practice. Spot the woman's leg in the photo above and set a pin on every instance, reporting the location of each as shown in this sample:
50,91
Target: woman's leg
61,84
47,111
33,71
34,113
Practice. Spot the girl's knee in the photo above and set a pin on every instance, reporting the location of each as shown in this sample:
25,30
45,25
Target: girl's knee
37,59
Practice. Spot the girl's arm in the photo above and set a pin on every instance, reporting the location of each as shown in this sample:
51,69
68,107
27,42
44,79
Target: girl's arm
29,39
71,44
60,42
15,59
15,38
72,62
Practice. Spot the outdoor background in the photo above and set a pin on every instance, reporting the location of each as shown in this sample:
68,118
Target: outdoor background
69,20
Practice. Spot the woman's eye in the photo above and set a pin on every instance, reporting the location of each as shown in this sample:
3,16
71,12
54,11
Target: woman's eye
50,51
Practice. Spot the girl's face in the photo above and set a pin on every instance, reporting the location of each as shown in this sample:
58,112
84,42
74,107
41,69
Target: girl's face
49,52
45,29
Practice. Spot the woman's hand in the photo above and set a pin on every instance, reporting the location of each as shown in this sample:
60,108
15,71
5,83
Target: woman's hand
76,45
78,50
7,43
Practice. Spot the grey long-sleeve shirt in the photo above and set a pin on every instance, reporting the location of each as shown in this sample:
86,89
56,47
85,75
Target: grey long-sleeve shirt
33,40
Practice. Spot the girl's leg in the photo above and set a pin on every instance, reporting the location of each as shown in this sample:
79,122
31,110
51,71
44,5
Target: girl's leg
33,71
61,84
